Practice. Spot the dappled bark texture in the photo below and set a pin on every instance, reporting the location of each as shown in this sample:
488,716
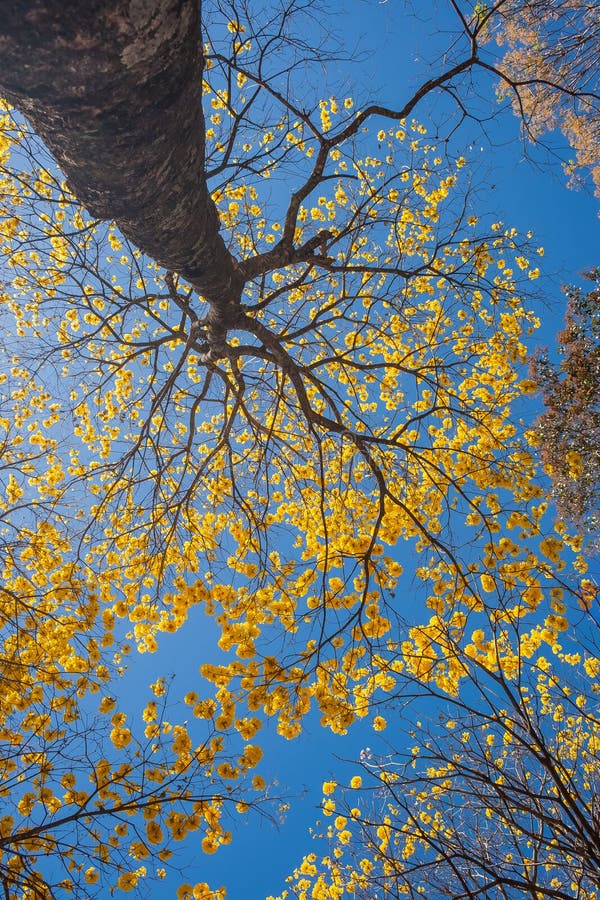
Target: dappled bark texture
114,89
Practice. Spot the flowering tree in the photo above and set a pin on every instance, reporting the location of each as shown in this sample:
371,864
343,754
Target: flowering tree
497,794
93,798
291,346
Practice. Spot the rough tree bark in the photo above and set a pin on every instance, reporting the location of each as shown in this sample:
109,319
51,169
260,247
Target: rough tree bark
114,88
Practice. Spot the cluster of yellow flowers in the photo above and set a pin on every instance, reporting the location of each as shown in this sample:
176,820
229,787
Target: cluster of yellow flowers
375,407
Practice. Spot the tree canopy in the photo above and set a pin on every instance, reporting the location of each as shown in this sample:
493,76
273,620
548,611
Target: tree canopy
258,341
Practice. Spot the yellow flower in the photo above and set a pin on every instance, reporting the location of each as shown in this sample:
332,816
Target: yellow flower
528,386
127,881
154,833
488,583
106,705
209,844
120,737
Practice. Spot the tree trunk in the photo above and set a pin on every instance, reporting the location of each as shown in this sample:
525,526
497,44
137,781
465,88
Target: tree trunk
114,88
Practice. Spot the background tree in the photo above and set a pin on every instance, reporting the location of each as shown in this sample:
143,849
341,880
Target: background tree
549,68
567,430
